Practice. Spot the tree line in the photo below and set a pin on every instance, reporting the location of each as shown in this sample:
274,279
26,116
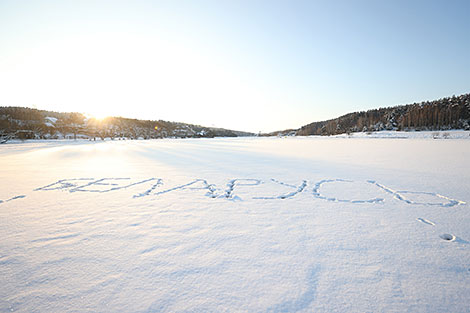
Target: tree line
443,114
28,123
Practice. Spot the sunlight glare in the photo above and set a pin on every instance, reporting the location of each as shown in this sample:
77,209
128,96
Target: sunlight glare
99,116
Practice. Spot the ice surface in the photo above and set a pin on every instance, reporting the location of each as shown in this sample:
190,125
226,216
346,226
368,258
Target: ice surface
236,225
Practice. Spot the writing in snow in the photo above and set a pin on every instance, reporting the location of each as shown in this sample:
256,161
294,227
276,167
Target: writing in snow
152,187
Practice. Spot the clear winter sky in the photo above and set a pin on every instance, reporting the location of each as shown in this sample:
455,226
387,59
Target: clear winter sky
246,65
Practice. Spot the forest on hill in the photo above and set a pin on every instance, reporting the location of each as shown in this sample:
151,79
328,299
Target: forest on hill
443,114
27,123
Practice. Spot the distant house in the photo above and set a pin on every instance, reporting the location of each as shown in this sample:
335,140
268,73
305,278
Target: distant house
25,134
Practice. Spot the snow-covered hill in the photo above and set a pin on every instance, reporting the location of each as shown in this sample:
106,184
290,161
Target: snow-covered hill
25,123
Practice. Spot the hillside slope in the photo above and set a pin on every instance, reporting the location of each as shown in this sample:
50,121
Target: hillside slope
27,123
443,114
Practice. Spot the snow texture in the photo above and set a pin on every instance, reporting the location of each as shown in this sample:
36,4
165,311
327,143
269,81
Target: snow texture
298,224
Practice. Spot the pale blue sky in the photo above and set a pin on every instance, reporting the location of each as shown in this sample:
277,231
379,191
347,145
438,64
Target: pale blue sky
247,65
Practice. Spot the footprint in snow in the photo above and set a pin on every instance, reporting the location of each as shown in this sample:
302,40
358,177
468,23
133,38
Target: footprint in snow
447,237
425,221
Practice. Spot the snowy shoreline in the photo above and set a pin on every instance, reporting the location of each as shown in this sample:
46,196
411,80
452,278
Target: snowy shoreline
442,134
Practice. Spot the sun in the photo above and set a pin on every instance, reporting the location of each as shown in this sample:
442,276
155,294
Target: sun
99,116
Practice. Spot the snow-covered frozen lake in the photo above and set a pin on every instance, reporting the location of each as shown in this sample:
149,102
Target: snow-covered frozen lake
236,225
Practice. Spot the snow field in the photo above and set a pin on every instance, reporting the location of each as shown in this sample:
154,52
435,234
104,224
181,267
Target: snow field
243,224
